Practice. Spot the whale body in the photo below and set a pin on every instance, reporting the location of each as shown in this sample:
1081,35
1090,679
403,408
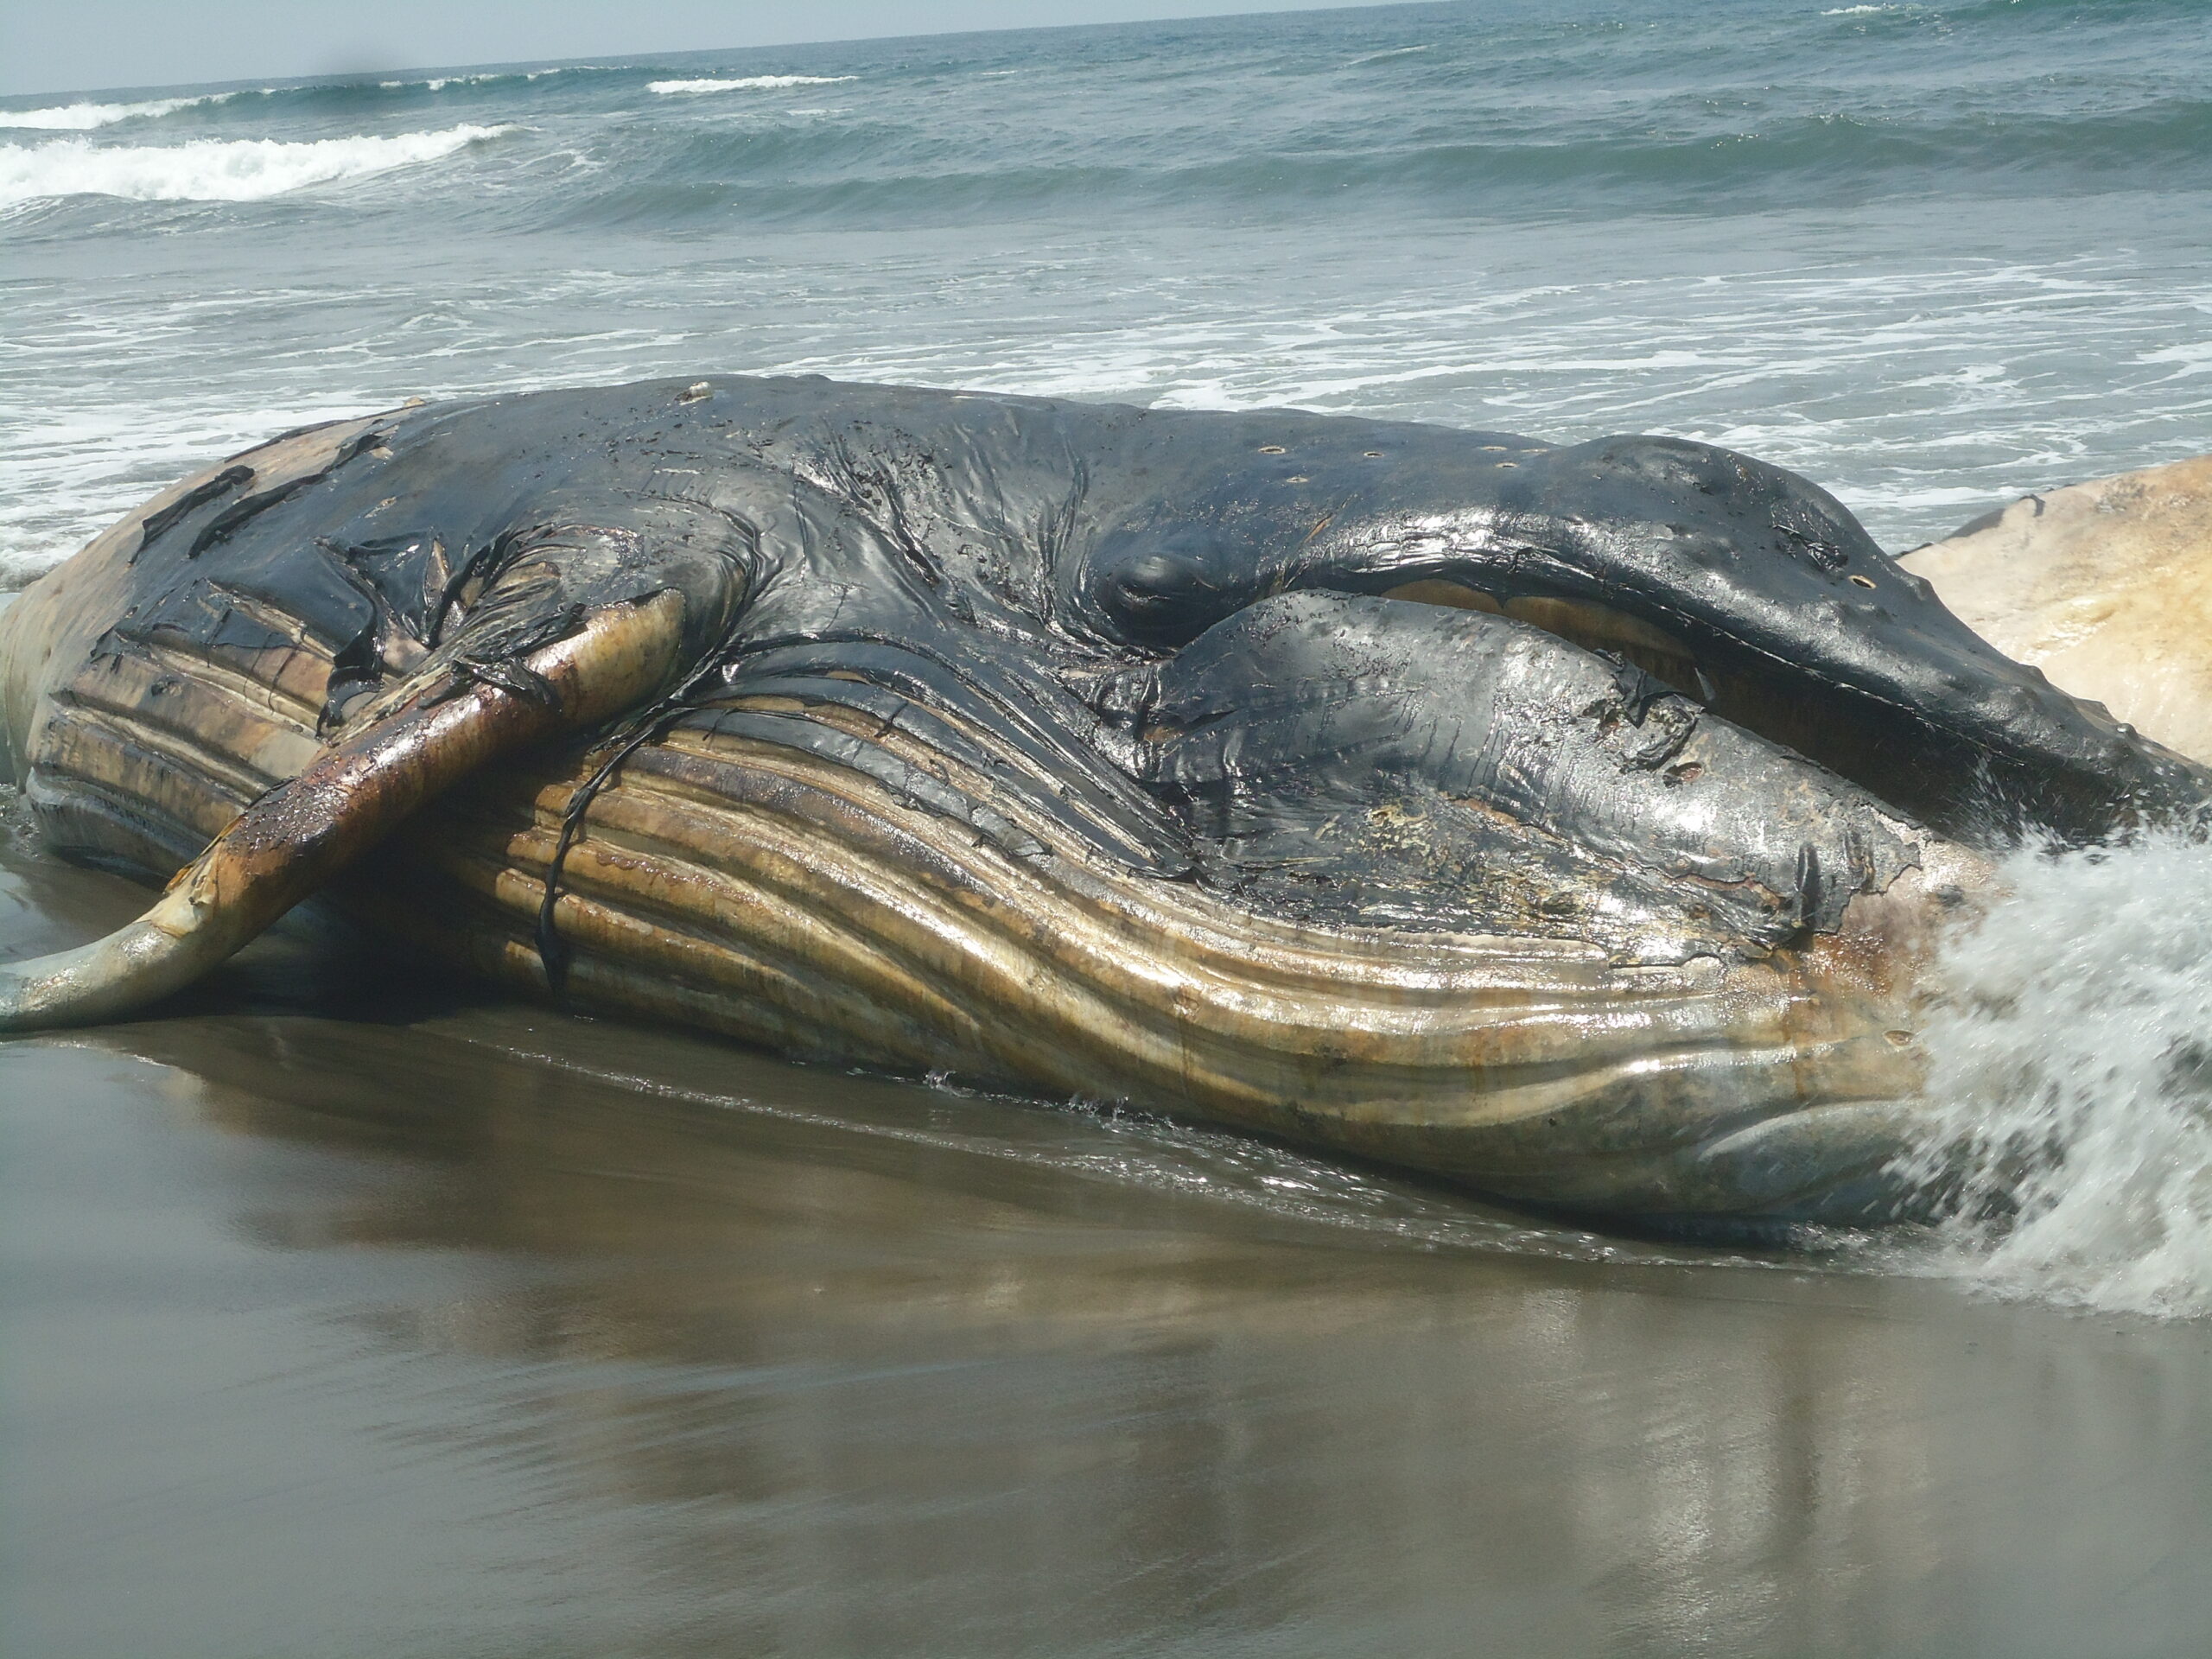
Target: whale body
1570,822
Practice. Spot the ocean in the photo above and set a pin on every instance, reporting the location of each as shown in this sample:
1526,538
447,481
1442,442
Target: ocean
1932,256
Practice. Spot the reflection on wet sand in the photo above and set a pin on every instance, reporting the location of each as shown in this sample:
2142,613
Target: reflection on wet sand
336,1323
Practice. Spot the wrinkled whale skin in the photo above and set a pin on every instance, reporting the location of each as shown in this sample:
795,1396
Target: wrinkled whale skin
1433,796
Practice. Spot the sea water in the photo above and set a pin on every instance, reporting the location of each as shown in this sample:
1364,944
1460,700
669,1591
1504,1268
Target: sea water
1931,255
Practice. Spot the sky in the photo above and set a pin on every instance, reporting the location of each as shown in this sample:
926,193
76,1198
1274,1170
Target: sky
63,46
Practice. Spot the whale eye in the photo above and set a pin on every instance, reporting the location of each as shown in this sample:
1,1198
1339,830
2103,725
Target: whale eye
1375,454
1162,595
1863,582
1271,448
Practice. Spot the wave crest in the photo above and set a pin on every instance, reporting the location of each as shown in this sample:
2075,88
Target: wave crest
742,84
474,78
82,117
212,169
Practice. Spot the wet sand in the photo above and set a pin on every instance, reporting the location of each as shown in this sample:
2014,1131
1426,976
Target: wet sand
346,1310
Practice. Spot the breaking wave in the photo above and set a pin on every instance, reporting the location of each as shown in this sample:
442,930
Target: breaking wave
478,78
82,117
743,84
2071,1061
894,165
210,169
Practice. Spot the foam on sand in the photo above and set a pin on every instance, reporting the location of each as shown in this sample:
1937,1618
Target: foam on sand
209,169
745,84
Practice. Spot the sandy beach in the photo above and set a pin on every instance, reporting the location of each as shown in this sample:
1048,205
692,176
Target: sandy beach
337,1320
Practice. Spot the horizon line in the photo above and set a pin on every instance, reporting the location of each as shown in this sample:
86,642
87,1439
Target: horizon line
625,60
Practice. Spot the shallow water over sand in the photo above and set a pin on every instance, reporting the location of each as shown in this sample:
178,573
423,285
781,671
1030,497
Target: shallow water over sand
335,1322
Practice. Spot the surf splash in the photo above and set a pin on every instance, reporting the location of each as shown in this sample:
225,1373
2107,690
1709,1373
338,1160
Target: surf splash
209,169
2071,1057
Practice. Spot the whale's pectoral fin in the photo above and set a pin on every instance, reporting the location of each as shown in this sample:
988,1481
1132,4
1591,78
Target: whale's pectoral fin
574,624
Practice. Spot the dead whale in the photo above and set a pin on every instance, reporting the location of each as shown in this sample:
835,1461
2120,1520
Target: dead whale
1568,822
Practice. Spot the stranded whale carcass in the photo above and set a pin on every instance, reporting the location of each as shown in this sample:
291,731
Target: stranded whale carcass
1565,821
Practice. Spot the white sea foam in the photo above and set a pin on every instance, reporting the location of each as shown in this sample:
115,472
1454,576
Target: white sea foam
1855,11
744,84
2072,1063
209,169
439,83
82,117
483,76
